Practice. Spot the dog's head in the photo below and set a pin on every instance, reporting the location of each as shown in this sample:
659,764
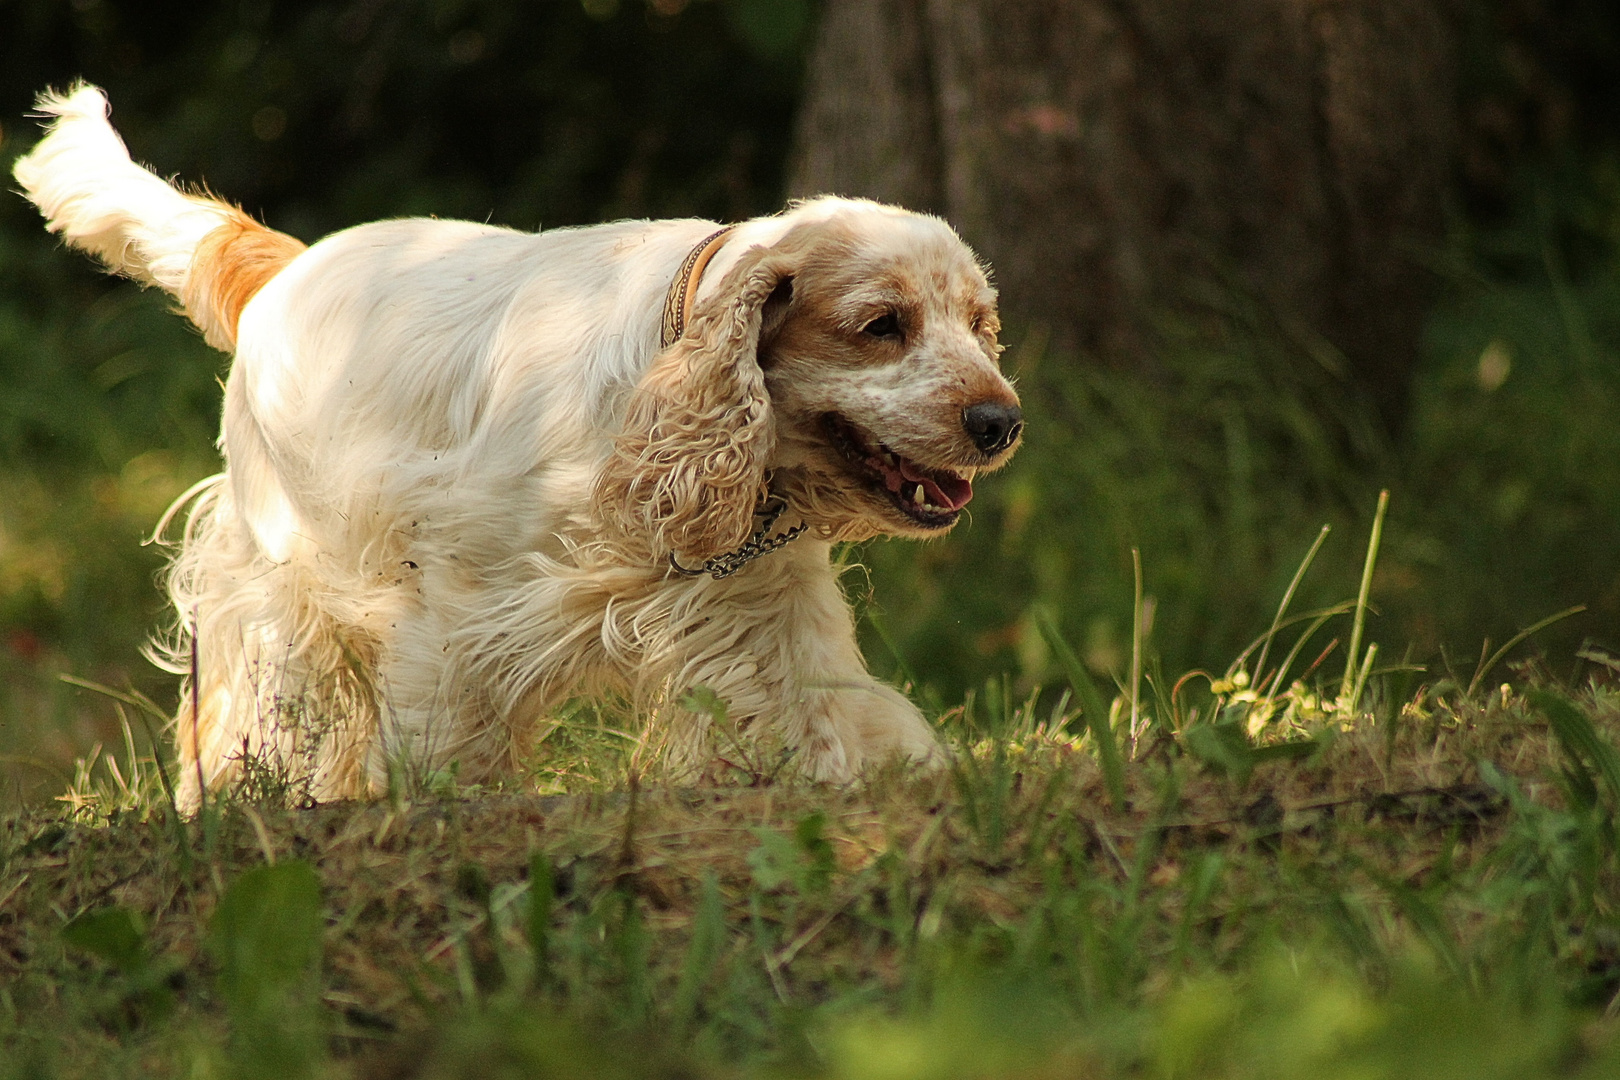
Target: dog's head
880,360
851,364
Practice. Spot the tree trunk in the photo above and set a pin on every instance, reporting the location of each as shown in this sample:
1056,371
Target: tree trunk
1106,155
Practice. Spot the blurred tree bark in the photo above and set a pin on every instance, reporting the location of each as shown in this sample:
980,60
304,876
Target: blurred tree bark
1107,155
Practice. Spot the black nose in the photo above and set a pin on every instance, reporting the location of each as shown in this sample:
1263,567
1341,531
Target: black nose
993,427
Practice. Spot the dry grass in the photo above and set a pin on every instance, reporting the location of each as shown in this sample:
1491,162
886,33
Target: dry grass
736,908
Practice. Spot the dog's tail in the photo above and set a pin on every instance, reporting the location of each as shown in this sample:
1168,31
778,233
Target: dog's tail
207,253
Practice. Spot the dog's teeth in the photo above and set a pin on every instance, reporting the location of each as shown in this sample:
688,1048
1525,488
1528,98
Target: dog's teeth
917,496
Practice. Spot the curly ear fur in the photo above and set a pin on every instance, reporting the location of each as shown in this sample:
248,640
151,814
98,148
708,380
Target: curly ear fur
688,468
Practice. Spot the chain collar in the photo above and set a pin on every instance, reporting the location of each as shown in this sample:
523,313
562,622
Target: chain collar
761,543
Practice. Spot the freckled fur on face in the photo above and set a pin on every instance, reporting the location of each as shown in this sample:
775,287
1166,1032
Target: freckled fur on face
906,391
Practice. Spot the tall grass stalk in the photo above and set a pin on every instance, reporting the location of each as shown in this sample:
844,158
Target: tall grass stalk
1485,666
1352,658
1138,617
1092,709
1282,610
1361,678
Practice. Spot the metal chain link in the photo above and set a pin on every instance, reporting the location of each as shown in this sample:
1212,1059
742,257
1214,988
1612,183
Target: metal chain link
723,566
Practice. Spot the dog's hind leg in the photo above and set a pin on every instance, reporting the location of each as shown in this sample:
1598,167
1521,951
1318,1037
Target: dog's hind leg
276,697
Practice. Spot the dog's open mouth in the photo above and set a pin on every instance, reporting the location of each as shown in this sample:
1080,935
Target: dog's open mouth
933,498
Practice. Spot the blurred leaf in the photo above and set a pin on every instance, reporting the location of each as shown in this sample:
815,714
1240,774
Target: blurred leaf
266,934
816,854
112,934
803,860
1222,747
1578,737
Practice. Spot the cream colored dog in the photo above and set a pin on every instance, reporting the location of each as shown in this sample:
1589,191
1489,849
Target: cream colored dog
471,472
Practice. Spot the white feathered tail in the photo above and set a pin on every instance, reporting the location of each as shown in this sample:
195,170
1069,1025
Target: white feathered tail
207,253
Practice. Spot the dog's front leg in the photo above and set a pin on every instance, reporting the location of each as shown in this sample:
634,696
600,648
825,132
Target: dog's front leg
783,662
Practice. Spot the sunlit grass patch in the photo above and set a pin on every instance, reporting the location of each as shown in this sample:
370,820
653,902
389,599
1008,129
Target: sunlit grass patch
1365,905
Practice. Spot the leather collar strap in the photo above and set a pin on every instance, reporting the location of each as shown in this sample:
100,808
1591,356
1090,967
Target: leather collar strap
683,290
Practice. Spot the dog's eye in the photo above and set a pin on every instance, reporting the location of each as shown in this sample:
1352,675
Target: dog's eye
886,325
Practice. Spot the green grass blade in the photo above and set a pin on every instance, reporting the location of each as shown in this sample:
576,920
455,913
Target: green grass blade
881,628
708,935
542,896
133,698
1578,737
1318,620
1138,616
1352,656
1282,608
1361,678
1485,667
1092,707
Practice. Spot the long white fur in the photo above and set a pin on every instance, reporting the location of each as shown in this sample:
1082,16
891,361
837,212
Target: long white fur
400,563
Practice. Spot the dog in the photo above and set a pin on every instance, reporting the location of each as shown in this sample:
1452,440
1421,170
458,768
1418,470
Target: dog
472,473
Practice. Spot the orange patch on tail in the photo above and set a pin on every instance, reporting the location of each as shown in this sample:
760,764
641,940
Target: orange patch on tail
230,266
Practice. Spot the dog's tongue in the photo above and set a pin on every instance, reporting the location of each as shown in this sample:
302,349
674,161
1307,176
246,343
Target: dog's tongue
940,489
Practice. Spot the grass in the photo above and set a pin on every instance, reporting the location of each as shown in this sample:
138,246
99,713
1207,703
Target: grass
1427,891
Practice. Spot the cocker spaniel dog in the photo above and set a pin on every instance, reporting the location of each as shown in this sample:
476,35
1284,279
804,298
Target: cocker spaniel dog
471,473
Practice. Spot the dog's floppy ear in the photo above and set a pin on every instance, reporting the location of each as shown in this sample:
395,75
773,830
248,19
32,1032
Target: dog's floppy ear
688,469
